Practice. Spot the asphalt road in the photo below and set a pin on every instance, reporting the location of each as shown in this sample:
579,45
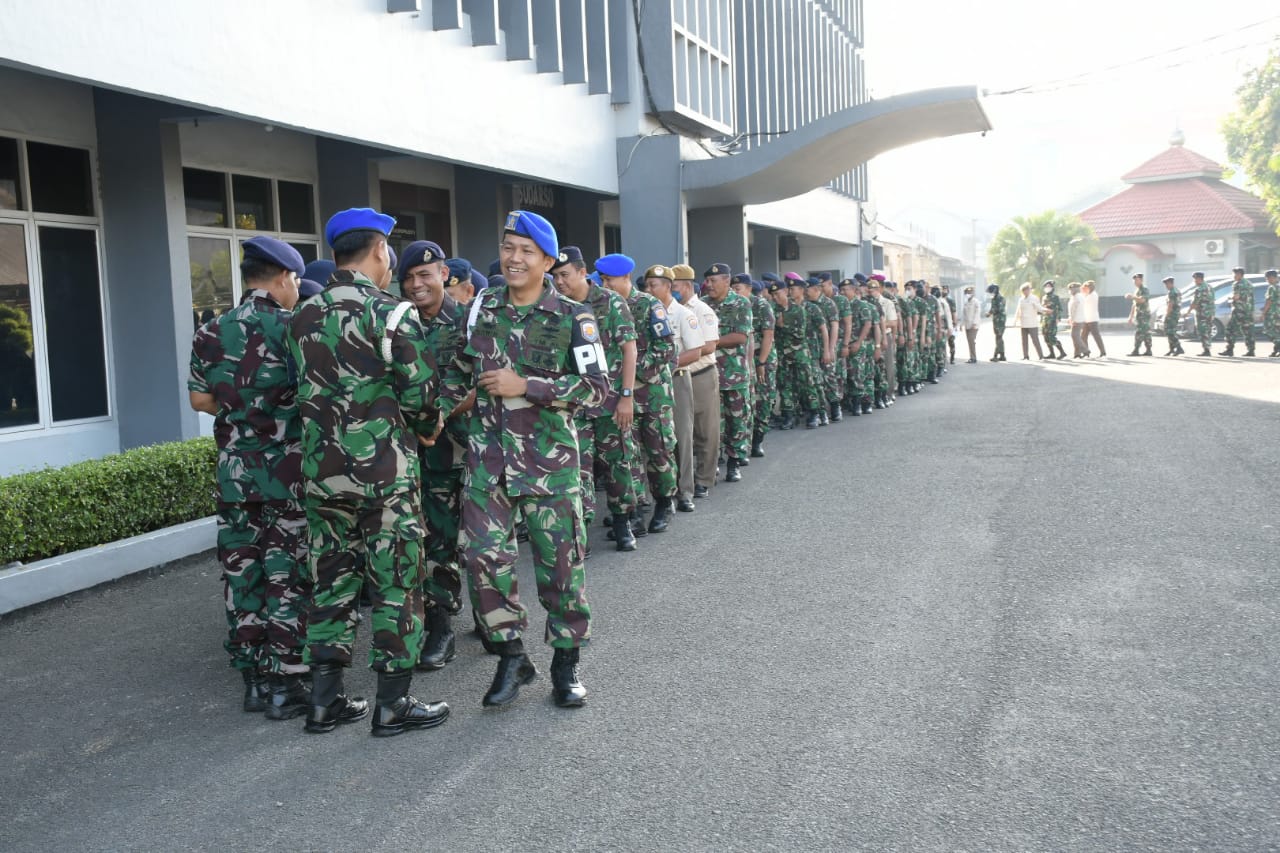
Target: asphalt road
1034,608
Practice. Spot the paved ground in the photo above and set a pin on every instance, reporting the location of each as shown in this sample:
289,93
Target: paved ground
1034,608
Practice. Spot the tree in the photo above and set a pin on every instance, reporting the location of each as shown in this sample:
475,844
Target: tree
1041,246
1252,132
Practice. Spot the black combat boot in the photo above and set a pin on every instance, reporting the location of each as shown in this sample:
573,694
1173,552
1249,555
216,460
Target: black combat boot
661,515
398,712
866,405
439,646
823,418
836,414
1230,350
621,534
932,378
1275,351
812,421
289,697
1134,353
566,688
255,691
879,402
1249,352
732,474
637,523
757,444
853,408
514,669
788,421
329,706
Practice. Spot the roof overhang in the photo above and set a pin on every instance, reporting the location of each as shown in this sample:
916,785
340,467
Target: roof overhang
1146,251
812,155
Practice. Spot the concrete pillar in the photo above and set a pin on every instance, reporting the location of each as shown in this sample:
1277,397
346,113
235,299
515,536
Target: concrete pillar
583,227
764,251
148,271
348,177
479,221
717,234
650,201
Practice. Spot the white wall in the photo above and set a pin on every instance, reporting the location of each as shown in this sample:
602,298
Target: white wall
820,213
227,144
343,69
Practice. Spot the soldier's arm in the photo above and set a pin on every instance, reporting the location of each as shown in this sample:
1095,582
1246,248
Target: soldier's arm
199,394
739,327
846,323
202,402
457,379
766,345
584,383
415,375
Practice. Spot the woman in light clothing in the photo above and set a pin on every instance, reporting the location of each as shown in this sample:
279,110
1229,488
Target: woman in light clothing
1029,311
970,314
1074,305
1089,320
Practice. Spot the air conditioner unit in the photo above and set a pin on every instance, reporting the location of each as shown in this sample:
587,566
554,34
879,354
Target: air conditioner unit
1215,247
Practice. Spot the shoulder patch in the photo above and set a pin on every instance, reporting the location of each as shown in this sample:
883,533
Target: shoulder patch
587,325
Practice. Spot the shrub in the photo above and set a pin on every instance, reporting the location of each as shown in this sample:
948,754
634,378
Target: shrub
59,510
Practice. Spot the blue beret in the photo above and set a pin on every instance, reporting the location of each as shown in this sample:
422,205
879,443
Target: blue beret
320,270
568,255
536,228
717,269
776,284
741,278
497,280
824,276
392,260
460,269
272,251
495,268
416,254
478,279
860,278
813,281
594,277
756,286
617,265
307,287
357,219
770,276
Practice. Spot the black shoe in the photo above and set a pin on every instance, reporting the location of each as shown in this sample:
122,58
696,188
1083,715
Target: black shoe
439,646
329,706
522,532
757,448
1275,352
879,402
932,381
1205,351
823,418
256,696
621,533
1231,351
866,405
1147,352
289,697
661,516
788,422
514,670
398,712
1248,353
732,474
1134,353
566,688
700,492
684,505
637,523
812,421
836,414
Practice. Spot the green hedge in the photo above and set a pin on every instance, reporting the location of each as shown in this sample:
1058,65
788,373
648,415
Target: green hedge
59,510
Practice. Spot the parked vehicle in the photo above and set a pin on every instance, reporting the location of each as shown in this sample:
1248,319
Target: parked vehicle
1221,307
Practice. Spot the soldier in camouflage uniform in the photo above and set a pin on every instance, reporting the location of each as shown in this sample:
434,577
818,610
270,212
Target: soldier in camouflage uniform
366,394
818,339
422,274
1172,316
1049,321
1140,316
764,394
840,335
1271,312
655,435
600,428
794,366
1241,322
997,314
832,369
861,349
928,330
1202,305
532,357
732,358
241,374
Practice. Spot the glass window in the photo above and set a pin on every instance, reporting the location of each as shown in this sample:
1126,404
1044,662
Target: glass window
252,197
297,210
17,347
73,322
61,179
10,177
211,289
308,251
206,195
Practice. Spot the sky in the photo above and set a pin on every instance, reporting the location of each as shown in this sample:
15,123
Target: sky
1058,146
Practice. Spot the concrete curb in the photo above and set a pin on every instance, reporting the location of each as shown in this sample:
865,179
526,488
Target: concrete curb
56,576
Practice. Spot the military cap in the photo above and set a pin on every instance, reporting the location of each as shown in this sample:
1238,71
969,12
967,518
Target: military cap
757,286
858,277
416,254
522,223
968,288
741,278
1167,280
568,255
495,268
594,277
459,270
813,281
479,280
717,269
1075,285
357,219
1137,275
1237,269
320,270
1272,272
824,276
776,284
794,280
615,265
993,288
307,287
1197,275
851,282
875,276
892,284
770,276
269,250
392,260
683,272
1048,282
660,271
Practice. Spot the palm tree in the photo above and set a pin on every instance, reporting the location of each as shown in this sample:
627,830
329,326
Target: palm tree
1041,246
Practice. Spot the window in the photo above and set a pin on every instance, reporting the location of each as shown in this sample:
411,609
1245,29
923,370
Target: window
17,346
297,207
254,211
212,290
10,177
612,239
206,194
61,179
73,322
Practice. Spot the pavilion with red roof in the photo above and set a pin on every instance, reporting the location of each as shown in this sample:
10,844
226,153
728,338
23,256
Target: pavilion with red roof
1178,216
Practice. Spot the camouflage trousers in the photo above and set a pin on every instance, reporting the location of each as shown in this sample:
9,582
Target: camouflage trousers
1271,328
1240,325
655,433
736,418
1142,334
613,453
940,351
765,398
1050,332
861,371
831,380
880,371
1204,328
557,538
440,511
1171,324
379,541
798,392
997,326
263,551
586,428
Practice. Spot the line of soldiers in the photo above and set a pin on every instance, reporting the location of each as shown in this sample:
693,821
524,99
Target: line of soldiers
373,447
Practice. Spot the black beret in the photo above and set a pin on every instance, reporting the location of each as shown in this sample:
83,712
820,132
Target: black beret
269,250
416,254
741,278
717,269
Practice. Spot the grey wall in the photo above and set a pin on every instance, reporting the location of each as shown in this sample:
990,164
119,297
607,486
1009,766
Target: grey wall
764,251
476,194
718,234
582,222
651,204
148,269
348,177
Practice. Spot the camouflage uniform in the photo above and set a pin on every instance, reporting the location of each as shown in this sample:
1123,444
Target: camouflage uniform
598,433
1202,304
241,358
862,375
1271,319
831,372
997,321
765,394
1241,322
1142,319
1049,322
1172,318
522,458
842,364
815,319
361,418
924,338
797,389
906,351
734,313
655,402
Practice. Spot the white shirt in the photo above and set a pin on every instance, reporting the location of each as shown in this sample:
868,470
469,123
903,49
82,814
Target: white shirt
889,307
710,323
1074,308
1089,308
945,309
1029,308
971,311
688,330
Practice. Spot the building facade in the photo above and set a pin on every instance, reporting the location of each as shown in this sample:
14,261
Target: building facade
140,145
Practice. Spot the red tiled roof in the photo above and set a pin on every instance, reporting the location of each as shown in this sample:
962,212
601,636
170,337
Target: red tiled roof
1175,161
1177,207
